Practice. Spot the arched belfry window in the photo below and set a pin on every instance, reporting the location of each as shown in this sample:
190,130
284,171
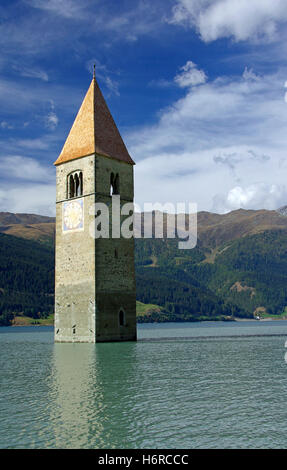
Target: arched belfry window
75,184
121,318
114,184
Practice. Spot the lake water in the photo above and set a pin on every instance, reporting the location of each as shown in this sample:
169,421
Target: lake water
184,385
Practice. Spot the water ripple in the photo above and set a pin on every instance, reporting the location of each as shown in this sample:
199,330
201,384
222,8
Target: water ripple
200,391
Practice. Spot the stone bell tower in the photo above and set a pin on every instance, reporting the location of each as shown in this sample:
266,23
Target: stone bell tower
95,297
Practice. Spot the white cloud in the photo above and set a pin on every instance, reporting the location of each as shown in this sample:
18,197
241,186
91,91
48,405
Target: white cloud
36,199
6,125
217,114
190,75
227,133
248,74
197,177
17,97
17,167
127,19
241,20
160,83
112,86
65,8
236,158
26,186
33,144
104,74
32,73
261,195
52,120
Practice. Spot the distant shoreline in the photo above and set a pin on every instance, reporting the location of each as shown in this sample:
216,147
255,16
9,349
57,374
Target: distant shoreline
261,319
235,319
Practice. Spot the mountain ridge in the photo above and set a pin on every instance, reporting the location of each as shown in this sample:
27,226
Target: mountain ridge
213,229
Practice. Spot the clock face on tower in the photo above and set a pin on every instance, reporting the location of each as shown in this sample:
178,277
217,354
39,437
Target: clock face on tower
73,215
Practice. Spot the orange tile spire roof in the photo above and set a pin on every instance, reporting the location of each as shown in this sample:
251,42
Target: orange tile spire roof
94,131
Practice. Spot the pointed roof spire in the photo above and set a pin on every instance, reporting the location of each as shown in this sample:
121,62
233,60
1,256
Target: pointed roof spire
94,73
94,131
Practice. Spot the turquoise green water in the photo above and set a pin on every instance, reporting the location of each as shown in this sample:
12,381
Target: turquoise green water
189,385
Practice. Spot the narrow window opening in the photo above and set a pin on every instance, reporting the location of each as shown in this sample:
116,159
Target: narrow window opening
121,318
112,184
72,186
117,184
77,185
81,184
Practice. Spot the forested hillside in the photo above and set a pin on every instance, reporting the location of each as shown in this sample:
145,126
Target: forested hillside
247,276
26,278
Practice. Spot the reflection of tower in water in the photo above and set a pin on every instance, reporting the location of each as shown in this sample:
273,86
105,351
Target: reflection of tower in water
75,389
94,395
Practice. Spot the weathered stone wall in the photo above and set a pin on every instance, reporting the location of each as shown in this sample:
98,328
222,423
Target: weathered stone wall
95,279
115,275
108,306
75,283
86,165
104,168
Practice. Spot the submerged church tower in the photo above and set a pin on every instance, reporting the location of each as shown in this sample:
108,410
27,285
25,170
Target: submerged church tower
95,297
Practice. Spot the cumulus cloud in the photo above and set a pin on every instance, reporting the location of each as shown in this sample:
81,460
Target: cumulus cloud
17,167
239,158
36,199
197,177
26,185
227,133
261,195
242,20
190,75
218,114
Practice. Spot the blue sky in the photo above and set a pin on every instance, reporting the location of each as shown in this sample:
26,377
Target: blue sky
198,89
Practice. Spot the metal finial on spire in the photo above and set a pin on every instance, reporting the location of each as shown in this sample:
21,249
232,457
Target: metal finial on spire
94,73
